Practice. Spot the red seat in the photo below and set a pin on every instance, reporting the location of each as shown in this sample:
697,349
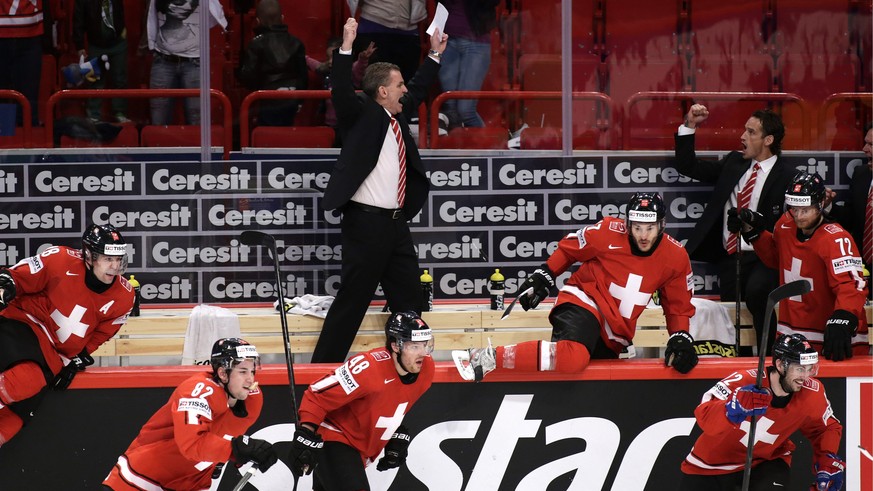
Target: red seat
178,136
488,138
127,137
293,136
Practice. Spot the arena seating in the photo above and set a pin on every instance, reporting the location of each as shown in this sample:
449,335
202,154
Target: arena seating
293,137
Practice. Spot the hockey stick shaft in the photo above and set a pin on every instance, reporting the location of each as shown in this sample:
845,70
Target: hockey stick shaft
795,288
739,295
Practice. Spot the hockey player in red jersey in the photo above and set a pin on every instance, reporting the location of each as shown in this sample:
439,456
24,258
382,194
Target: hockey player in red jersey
351,414
202,425
57,308
623,262
789,400
805,245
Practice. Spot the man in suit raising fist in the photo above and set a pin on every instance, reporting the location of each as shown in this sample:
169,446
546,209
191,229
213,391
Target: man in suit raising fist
756,178
378,183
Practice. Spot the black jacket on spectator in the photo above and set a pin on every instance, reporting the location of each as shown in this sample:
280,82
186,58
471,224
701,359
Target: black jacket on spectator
87,19
482,15
274,59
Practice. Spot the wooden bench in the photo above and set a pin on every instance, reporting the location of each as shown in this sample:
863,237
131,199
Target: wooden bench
161,332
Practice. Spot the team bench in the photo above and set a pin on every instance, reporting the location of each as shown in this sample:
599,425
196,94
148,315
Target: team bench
161,332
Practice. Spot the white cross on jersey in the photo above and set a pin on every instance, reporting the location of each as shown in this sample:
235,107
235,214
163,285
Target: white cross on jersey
761,434
794,274
630,295
391,423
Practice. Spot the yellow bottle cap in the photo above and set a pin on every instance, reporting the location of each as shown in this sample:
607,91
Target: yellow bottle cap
497,276
425,277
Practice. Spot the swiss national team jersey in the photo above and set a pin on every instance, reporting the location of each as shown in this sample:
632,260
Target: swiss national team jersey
20,19
180,445
52,298
721,449
618,284
831,262
363,401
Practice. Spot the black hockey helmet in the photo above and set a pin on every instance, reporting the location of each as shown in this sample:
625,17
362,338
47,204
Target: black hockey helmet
646,207
407,326
105,240
805,190
230,352
794,348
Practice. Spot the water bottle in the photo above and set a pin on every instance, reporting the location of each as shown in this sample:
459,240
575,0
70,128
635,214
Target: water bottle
426,291
134,312
496,288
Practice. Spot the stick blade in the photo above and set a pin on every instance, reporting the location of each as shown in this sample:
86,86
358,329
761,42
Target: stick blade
793,289
255,238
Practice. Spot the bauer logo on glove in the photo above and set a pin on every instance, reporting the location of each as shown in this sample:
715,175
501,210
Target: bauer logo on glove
76,74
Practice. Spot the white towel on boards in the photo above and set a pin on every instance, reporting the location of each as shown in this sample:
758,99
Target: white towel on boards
206,325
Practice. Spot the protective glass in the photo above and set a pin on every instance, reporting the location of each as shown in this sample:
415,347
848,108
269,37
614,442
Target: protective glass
417,347
116,265
794,370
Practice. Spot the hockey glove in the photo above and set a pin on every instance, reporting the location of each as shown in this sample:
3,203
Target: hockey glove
734,224
7,288
839,330
395,450
680,353
305,449
76,365
747,401
829,471
753,224
542,283
245,448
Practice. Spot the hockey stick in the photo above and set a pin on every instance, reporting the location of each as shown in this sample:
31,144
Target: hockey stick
739,296
514,301
795,288
256,238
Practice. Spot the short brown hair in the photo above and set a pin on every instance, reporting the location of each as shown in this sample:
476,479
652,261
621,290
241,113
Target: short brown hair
377,75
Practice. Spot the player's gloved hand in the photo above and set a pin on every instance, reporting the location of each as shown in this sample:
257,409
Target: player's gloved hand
680,352
839,330
753,224
734,224
7,288
77,364
829,472
305,448
395,450
542,282
747,401
245,448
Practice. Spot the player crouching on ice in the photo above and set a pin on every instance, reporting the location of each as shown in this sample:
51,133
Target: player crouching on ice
789,400
57,308
623,262
351,414
202,426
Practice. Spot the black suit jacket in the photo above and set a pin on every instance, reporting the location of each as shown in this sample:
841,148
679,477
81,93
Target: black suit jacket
851,214
363,124
705,242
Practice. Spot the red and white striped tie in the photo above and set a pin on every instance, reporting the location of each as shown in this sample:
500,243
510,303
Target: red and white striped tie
744,199
868,228
401,153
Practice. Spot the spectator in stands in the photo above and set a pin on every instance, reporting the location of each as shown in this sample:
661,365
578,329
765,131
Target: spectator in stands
323,68
804,244
378,183
173,31
202,425
274,60
789,400
22,36
468,56
102,22
351,414
622,264
853,215
392,25
57,308
714,238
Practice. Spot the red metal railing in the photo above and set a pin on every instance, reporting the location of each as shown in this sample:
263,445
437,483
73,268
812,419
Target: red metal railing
270,94
57,97
510,95
27,120
714,96
863,97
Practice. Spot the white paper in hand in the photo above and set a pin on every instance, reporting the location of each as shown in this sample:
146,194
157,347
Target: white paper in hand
439,20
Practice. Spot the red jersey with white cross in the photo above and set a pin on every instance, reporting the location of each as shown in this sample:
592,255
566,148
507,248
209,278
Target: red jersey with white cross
19,19
831,262
616,285
180,445
52,298
363,401
721,449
